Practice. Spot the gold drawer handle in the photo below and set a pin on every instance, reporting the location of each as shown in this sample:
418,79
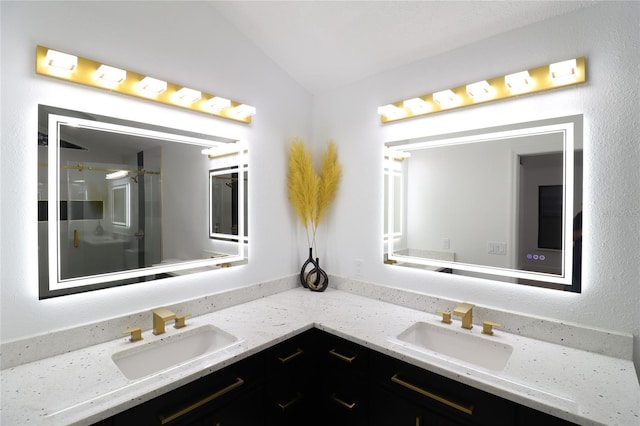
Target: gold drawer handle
464,408
345,358
348,406
296,354
171,417
288,404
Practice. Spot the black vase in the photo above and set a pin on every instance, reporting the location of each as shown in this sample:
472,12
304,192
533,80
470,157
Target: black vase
317,279
309,264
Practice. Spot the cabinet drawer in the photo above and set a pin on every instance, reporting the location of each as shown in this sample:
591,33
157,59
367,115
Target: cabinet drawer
293,356
344,357
199,399
291,388
441,396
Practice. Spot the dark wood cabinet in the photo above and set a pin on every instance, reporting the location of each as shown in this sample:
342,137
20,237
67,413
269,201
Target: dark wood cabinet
318,379
229,397
430,398
530,417
291,377
345,381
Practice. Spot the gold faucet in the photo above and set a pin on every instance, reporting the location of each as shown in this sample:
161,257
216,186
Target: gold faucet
465,311
160,317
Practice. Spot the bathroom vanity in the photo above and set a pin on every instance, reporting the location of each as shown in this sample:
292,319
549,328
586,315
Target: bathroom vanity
316,378
336,358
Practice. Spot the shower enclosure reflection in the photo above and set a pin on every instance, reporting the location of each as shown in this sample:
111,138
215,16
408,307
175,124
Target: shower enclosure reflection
124,203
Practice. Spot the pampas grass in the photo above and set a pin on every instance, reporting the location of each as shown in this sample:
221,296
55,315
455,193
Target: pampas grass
328,182
311,194
302,184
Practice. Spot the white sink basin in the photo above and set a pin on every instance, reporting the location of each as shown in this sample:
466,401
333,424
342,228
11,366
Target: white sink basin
482,351
176,349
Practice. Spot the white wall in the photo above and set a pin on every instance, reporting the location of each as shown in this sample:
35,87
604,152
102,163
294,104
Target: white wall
187,43
182,42
608,36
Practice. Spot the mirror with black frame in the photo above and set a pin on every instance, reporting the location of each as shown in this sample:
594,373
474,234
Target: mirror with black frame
501,203
122,202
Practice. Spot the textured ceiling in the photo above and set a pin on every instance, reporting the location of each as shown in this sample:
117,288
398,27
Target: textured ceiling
324,45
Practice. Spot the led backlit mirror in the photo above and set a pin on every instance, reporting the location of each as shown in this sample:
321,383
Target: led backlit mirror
120,202
503,203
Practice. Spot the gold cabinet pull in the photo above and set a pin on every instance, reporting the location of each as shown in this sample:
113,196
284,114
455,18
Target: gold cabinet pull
468,409
285,405
345,358
348,406
294,355
76,238
171,417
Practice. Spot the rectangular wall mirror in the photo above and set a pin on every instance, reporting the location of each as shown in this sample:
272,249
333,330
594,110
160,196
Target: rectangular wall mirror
122,202
503,203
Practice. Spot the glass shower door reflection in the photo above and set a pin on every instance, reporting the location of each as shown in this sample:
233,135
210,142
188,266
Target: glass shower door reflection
108,224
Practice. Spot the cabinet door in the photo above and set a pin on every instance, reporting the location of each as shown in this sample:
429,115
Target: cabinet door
345,381
244,411
530,417
388,409
444,401
292,376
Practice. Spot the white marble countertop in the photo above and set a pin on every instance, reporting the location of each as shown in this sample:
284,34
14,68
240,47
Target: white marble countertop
84,386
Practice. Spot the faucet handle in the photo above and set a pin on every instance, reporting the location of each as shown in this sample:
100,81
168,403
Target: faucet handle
487,327
446,316
135,332
181,320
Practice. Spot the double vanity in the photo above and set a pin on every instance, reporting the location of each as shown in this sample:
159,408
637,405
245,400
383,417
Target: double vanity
543,372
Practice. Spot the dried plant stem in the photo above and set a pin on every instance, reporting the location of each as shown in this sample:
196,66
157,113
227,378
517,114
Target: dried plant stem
311,194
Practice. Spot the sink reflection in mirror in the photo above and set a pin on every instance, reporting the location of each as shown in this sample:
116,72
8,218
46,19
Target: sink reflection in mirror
174,350
485,352
494,203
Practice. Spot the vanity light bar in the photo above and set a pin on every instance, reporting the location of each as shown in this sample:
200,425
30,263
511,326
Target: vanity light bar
64,66
534,80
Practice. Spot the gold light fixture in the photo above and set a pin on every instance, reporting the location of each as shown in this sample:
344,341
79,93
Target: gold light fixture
480,91
111,75
534,80
152,86
88,72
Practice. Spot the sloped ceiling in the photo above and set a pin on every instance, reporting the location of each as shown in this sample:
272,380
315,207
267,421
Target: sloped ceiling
324,45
